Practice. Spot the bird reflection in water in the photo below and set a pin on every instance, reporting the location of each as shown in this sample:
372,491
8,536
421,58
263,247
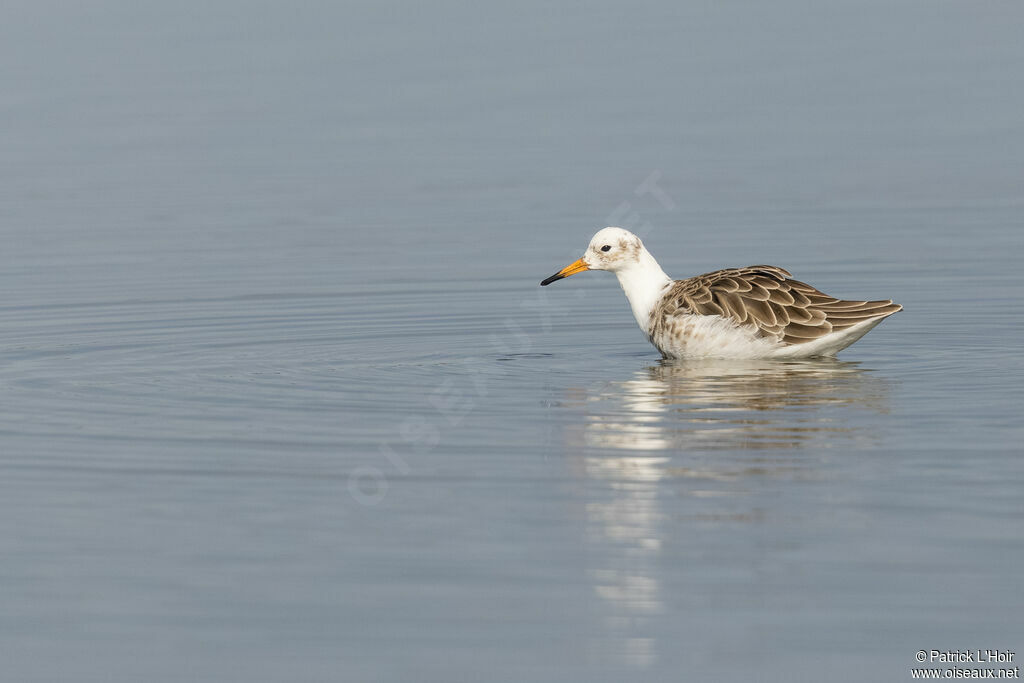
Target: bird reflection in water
703,429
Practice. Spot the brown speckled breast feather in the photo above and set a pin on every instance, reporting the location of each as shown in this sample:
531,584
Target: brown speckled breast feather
766,298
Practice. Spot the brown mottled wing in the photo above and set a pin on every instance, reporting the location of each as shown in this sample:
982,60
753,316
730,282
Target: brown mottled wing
767,298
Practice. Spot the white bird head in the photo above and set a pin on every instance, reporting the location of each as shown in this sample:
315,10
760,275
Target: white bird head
612,249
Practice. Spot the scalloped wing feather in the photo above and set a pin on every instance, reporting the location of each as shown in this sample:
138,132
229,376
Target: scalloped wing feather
767,299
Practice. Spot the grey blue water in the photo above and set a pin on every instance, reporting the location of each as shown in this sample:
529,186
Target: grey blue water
282,399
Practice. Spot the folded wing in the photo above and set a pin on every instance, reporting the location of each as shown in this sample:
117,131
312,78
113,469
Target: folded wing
768,299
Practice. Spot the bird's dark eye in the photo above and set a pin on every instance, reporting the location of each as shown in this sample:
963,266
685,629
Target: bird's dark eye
606,248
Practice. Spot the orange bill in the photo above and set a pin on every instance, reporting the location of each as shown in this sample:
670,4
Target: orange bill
571,269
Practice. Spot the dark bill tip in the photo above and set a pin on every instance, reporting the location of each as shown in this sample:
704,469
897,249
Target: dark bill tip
548,281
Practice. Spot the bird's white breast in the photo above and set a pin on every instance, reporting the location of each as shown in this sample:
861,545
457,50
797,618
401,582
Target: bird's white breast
711,336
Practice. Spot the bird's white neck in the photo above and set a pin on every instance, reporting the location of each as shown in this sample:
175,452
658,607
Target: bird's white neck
644,283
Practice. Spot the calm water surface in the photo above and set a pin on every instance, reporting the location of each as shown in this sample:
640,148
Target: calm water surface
283,400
